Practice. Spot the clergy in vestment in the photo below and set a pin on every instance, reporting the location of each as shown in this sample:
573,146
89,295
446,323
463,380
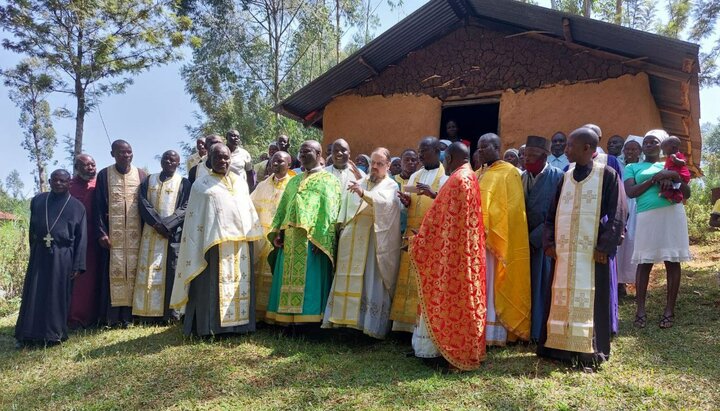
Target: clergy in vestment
84,302
119,227
240,160
409,165
449,253
417,197
204,167
266,198
368,254
611,161
303,233
214,280
198,156
577,324
507,247
163,198
57,255
264,167
540,180
346,172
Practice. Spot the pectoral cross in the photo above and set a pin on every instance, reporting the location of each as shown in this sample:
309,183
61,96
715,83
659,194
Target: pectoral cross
48,240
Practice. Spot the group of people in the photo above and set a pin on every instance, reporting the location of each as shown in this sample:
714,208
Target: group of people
460,251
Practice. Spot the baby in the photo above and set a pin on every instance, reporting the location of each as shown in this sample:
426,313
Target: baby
675,161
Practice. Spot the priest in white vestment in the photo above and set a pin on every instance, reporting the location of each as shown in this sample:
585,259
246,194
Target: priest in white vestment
214,282
345,171
368,254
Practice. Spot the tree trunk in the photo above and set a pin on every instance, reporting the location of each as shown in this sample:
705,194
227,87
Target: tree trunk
337,31
587,8
80,97
618,11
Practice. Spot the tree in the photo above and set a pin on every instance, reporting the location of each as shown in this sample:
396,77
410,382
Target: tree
14,185
95,45
29,86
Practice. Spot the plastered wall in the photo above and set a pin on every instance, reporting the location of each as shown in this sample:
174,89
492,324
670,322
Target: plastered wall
395,122
619,106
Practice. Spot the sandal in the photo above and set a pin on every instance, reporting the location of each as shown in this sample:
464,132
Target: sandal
640,321
667,321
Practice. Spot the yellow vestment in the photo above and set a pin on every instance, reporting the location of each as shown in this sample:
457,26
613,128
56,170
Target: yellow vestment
266,198
125,226
503,206
405,302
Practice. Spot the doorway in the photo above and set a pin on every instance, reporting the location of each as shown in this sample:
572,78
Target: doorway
473,118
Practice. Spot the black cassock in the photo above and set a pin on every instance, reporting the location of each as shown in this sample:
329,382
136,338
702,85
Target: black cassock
48,286
614,206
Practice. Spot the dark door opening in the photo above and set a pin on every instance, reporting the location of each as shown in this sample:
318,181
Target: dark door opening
473,120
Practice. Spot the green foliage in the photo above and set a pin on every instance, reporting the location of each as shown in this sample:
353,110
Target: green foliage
14,250
249,55
699,206
95,46
29,85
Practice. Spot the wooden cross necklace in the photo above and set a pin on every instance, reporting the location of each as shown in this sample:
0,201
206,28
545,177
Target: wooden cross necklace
48,238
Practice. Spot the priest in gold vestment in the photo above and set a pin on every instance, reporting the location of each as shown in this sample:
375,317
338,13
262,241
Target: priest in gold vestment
507,246
214,280
119,227
417,196
163,198
577,322
266,198
368,254
198,156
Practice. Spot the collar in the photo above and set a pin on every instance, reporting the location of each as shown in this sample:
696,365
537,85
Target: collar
432,167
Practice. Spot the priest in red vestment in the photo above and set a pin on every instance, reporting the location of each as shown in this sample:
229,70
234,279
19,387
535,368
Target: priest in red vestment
84,301
449,253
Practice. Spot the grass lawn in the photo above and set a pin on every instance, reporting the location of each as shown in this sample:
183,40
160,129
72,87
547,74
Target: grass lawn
148,367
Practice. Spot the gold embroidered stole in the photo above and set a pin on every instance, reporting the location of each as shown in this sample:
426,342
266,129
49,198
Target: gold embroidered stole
125,225
405,301
352,256
234,283
266,198
570,323
149,295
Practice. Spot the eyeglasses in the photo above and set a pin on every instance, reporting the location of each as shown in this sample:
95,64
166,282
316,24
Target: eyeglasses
378,163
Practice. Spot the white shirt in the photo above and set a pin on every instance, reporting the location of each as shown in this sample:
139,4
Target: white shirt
240,162
560,162
349,202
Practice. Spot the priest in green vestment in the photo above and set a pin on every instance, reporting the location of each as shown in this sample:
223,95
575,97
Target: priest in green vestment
303,233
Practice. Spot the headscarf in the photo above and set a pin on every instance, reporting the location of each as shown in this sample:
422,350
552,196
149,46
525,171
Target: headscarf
393,159
639,140
512,150
661,135
364,168
446,142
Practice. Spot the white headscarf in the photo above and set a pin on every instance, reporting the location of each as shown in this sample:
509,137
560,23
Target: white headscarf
636,139
661,135
446,142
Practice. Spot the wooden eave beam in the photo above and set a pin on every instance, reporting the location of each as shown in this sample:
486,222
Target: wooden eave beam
567,30
367,65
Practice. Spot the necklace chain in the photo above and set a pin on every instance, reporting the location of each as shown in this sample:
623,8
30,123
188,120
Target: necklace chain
47,222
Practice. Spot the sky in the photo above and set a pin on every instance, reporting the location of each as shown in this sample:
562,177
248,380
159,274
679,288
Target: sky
153,113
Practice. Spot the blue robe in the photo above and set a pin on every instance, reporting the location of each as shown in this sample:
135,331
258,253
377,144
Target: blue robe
537,202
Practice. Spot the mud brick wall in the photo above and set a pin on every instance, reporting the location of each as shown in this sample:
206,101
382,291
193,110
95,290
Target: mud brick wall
473,60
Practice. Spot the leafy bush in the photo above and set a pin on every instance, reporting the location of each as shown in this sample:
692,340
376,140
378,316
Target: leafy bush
14,252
